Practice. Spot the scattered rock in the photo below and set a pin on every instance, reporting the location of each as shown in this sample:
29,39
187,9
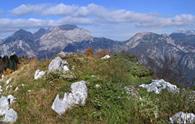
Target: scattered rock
77,96
8,81
158,85
61,105
182,118
2,77
65,68
106,57
58,64
38,74
79,91
4,105
8,114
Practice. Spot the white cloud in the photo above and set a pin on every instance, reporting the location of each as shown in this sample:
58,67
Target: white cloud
178,20
33,22
99,14
60,9
27,9
92,14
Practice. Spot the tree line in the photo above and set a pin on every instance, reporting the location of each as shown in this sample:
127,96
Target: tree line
8,63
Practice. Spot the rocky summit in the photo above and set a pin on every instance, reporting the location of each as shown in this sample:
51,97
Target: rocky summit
91,89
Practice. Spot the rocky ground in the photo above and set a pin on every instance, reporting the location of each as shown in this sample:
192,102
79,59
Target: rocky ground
76,88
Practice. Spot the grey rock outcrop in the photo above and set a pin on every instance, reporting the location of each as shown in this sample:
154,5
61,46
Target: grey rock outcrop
8,114
158,85
182,118
77,96
38,74
57,64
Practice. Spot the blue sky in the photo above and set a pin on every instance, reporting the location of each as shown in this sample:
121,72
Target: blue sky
116,19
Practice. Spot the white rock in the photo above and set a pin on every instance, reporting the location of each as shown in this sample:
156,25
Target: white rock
106,57
61,105
4,105
58,64
65,68
77,96
8,81
79,91
182,118
10,116
158,85
2,76
64,54
11,99
38,74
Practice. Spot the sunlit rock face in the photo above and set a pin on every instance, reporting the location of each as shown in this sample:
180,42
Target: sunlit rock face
169,56
59,37
77,96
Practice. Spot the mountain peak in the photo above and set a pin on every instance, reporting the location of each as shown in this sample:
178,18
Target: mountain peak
67,27
20,35
41,30
141,34
40,33
22,31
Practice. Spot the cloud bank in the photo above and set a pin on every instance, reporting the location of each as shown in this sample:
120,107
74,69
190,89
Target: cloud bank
91,14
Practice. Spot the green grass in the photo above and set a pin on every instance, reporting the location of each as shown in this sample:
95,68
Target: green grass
107,104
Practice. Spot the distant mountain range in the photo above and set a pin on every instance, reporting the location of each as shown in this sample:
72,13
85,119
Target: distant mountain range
171,56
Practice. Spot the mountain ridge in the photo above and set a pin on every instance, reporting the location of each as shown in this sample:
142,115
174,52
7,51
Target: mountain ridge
163,53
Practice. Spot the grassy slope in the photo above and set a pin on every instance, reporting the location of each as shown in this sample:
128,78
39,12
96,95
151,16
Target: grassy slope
107,104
